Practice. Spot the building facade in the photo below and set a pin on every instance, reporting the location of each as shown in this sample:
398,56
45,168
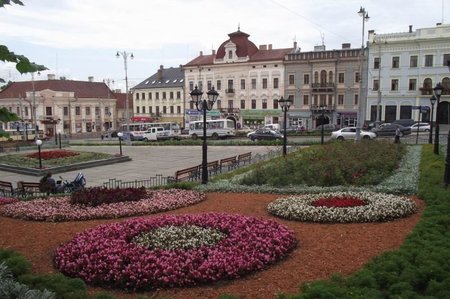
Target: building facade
66,106
324,86
160,97
403,69
249,80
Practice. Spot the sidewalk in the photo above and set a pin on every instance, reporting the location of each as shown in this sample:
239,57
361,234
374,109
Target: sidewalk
147,161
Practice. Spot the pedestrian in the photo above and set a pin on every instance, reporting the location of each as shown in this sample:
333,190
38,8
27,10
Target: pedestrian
47,184
398,134
102,136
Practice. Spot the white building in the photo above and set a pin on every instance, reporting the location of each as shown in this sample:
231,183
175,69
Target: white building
403,69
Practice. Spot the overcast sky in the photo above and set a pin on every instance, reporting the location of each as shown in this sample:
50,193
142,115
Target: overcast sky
80,38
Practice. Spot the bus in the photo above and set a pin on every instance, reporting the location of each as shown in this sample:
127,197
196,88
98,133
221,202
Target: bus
215,128
137,130
29,134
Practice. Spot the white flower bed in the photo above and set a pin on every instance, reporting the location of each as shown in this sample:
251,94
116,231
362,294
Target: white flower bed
404,180
378,207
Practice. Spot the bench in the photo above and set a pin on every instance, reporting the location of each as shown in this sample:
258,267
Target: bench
230,163
28,188
187,174
245,158
6,189
213,167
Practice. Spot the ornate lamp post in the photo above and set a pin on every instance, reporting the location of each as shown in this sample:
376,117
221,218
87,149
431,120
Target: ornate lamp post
432,101
285,104
322,109
120,135
437,92
203,105
39,143
59,138
125,56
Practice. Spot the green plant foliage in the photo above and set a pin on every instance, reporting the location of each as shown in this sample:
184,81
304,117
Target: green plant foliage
64,287
16,263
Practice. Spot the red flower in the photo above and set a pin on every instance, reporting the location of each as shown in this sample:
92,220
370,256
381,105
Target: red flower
53,154
339,202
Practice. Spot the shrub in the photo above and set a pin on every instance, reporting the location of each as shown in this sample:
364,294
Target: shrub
63,286
15,262
96,196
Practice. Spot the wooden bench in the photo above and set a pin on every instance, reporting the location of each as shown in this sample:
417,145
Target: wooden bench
187,174
230,163
6,189
245,158
28,188
213,167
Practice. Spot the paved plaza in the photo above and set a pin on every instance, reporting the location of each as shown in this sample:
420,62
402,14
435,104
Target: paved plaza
147,161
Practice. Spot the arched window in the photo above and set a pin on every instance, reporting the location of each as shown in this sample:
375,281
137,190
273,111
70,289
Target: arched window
427,83
330,77
446,86
316,77
323,76
230,54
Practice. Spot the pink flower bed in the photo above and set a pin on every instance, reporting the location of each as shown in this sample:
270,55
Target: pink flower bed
106,255
7,200
59,208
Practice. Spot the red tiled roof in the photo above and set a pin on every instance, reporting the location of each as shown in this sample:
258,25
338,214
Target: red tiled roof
201,60
82,89
274,54
121,100
244,47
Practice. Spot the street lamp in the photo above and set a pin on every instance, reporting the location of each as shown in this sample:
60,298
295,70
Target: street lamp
59,137
437,92
285,104
120,135
365,17
203,105
322,109
125,56
432,101
39,143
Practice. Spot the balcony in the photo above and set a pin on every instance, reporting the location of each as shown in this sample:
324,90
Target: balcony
322,87
229,110
230,90
317,108
426,90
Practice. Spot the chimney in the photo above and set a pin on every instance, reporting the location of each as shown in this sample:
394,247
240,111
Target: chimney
117,90
213,52
263,47
51,76
295,45
270,46
91,78
201,53
346,45
438,24
161,67
410,28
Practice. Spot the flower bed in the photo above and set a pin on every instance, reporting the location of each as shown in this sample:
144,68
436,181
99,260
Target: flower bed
377,207
113,255
7,200
59,208
53,154
338,202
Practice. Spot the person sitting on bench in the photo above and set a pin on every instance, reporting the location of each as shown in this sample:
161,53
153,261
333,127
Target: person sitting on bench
47,184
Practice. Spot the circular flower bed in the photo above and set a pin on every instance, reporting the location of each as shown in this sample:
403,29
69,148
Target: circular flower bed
221,246
60,209
376,207
338,202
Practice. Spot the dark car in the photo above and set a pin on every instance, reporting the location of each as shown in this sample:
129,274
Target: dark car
404,122
389,129
264,134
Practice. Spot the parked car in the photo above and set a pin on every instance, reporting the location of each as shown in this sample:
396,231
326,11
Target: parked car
350,133
275,127
373,124
388,129
326,127
264,134
423,127
404,122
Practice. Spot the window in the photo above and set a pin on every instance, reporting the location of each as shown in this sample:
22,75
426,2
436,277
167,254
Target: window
137,95
164,95
219,85
264,104
137,109
65,111
164,109
143,96
26,111
191,85
171,110
209,85
357,77
230,54
356,99
330,77
253,104
219,104
150,95
306,79
200,85
376,85
242,104
48,111
97,111
78,110
230,104
178,94
413,61
291,79
275,82
88,110
305,100
230,84
157,95
340,99
243,84
157,110
395,62
253,83
376,63
316,77
143,109
429,60
412,84
150,109
264,83
171,95
394,84
178,109
446,60
275,104
341,78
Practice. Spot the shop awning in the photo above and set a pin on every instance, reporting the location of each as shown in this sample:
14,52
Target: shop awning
142,119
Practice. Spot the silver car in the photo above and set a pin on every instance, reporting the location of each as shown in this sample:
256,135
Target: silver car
349,133
422,127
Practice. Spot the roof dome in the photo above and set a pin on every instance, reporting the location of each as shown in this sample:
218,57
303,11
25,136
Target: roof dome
244,47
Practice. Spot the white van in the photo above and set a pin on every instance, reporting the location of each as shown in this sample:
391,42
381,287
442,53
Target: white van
274,127
156,133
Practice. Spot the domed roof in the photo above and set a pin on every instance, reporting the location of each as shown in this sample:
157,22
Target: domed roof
244,47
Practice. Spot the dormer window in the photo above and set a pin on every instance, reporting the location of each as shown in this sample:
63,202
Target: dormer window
230,54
